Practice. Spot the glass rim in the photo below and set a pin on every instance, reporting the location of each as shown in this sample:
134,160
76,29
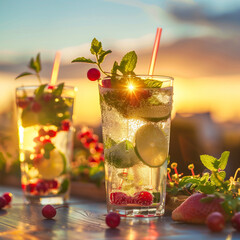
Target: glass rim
164,78
32,87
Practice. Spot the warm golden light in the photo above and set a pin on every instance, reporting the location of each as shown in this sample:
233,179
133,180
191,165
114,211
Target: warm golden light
131,87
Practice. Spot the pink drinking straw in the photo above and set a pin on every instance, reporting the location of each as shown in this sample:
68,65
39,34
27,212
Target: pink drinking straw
155,51
55,69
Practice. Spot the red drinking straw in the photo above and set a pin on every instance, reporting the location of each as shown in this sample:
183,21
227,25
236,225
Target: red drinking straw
155,51
55,69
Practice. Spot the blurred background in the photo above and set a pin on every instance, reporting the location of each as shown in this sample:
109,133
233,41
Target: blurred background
200,48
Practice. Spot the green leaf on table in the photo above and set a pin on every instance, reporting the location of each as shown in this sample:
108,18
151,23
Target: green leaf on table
96,47
58,91
223,160
209,162
40,90
102,55
150,83
83,59
64,186
24,74
128,63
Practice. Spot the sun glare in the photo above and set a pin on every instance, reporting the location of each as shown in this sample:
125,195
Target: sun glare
131,87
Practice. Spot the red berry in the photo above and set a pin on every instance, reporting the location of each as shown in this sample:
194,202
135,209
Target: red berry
236,221
143,198
42,132
22,103
99,147
118,198
36,107
8,197
113,219
52,184
50,87
38,158
41,187
144,93
46,141
3,202
106,83
49,211
30,187
47,97
65,125
93,74
52,133
215,222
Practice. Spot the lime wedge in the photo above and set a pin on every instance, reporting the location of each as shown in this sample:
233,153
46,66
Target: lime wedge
52,167
151,145
121,155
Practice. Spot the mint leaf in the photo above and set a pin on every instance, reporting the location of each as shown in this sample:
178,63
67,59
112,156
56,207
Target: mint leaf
103,55
208,162
96,47
109,142
153,101
64,186
23,74
114,68
35,64
58,91
223,160
48,147
128,63
83,59
206,188
39,91
218,178
150,83
38,63
129,145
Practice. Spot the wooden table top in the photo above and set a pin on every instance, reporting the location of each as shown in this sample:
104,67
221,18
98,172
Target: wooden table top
85,219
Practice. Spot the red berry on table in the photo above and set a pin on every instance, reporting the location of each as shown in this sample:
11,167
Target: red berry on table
236,221
52,133
3,202
143,198
65,125
113,219
93,74
215,222
36,107
8,197
49,211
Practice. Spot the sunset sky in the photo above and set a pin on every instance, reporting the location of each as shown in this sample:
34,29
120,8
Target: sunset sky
200,46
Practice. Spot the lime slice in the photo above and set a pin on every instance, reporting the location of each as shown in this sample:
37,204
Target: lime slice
151,145
153,113
121,155
52,167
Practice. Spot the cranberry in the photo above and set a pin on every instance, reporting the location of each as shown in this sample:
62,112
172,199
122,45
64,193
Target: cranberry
52,133
215,222
236,221
38,158
106,83
101,159
45,141
99,147
42,132
22,103
41,187
31,187
90,140
36,107
47,97
93,74
84,133
52,184
8,197
113,219
50,87
118,198
143,198
65,125
3,202
49,211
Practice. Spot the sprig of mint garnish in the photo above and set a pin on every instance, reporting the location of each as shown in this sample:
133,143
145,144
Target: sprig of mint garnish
36,66
126,66
212,183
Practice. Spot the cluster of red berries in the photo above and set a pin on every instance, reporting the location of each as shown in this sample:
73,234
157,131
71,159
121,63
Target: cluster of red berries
40,187
142,198
216,222
90,141
5,199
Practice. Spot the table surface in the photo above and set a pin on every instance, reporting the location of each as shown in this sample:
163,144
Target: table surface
85,219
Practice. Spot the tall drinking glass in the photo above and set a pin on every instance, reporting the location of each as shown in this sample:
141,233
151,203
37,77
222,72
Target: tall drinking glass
45,130
136,129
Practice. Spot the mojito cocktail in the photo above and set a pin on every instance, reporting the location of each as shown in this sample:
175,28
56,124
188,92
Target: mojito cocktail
45,141
136,116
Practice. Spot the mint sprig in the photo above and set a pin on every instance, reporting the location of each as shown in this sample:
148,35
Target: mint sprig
36,66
